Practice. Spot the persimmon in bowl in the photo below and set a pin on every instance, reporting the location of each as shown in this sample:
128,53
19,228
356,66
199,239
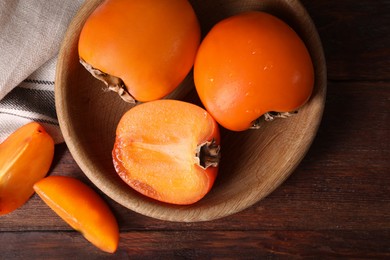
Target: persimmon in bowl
253,162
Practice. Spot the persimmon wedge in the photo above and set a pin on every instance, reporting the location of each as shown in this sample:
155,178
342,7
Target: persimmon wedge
25,158
168,150
82,208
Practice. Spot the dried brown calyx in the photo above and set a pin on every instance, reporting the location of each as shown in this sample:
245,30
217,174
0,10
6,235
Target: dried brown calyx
270,116
208,154
113,83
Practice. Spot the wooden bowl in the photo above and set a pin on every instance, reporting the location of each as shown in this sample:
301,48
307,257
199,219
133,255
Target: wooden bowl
254,162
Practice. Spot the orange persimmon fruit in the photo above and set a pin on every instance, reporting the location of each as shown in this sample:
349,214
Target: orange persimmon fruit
249,65
25,157
82,208
168,150
142,49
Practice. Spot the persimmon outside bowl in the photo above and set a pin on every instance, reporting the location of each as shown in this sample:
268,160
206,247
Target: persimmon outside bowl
254,162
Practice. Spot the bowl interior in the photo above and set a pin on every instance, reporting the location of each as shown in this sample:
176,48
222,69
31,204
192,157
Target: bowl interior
254,162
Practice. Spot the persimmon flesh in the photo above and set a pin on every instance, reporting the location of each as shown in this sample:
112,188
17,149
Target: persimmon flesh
25,158
143,49
82,208
168,150
251,64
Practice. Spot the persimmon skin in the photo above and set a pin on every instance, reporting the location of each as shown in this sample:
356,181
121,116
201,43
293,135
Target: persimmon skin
82,208
155,150
150,44
25,157
250,64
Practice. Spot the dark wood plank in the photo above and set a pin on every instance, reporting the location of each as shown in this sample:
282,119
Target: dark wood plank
355,36
201,245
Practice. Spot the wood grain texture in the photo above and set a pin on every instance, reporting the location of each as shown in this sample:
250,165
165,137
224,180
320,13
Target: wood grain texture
355,36
203,245
336,204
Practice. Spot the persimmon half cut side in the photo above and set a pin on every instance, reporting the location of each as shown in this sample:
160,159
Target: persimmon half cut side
25,157
142,49
168,150
251,64
82,208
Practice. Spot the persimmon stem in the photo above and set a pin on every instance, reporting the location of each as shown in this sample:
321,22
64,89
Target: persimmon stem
113,83
270,116
208,154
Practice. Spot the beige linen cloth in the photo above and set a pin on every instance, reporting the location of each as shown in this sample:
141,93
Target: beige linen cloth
31,32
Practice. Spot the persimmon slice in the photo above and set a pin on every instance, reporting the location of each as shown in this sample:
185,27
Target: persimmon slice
168,150
82,208
25,158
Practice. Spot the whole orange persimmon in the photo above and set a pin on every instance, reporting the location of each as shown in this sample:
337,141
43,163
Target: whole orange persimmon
142,49
249,65
168,150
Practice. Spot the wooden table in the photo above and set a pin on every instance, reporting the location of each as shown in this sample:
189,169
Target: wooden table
335,204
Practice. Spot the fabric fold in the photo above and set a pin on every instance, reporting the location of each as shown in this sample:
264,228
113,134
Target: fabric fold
30,36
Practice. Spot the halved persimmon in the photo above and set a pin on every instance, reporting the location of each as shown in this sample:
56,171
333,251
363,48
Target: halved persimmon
249,65
142,49
168,150
82,208
25,158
